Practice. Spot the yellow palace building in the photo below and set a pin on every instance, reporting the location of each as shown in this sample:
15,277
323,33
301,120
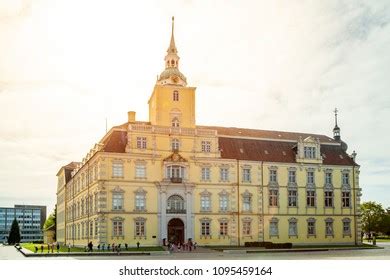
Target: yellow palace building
171,179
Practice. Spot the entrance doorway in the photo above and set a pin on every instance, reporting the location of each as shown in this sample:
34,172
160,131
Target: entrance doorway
176,231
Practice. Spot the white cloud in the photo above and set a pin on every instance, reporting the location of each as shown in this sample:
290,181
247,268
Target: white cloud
280,65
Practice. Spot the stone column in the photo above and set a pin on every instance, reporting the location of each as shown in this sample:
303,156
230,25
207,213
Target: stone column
163,213
189,231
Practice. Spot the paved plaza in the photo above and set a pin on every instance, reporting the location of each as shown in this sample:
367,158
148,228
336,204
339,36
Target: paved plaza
10,253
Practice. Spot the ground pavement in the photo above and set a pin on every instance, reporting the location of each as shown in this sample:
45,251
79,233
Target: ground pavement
9,252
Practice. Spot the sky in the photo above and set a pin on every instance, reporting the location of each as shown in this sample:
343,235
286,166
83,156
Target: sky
67,66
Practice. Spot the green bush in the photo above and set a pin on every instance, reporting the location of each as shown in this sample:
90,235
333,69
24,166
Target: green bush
278,245
256,244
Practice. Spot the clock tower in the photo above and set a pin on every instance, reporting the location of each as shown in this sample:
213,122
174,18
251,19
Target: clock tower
172,102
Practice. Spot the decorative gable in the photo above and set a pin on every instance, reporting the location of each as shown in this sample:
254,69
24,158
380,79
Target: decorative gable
175,157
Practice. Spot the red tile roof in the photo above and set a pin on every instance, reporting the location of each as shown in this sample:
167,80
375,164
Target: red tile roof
266,134
275,151
116,142
253,149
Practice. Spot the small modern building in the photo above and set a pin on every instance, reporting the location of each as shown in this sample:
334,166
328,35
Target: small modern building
30,218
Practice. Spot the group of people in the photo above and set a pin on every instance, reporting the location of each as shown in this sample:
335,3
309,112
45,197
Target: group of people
178,247
50,247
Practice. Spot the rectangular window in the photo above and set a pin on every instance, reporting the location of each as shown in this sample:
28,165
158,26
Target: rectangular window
292,228
273,198
205,203
223,203
310,152
223,228
346,199
224,174
329,228
117,201
205,173
175,95
96,228
310,177
346,227
246,203
292,198
246,228
140,171
328,178
329,199
345,179
117,228
310,198
206,146
140,202
246,175
272,176
141,142
140,228
311,227
273,228
117,169
292,176
205,227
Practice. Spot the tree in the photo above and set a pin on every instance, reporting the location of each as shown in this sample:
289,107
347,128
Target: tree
372,215
51,221
385,224
14,234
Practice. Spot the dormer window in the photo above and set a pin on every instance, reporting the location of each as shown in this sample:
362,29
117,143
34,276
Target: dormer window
175,95
175,122
310,152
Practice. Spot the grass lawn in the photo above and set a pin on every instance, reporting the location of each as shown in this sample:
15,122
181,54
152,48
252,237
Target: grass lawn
31,247
378,240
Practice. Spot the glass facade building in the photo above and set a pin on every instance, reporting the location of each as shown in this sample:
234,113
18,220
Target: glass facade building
30,219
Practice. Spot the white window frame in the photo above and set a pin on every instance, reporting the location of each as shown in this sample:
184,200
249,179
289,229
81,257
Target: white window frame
206,146
175,144
141,142
117,201
117,169
140,170
224,174
205,173
292,198
273,198
292,176
246,175
292,227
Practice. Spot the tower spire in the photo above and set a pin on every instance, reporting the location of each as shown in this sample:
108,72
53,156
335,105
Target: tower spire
171,75
172,46
336,129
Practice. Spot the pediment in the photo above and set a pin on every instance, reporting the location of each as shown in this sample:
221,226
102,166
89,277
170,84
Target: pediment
310,139
175,157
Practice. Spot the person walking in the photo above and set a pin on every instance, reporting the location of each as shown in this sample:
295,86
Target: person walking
58,247
69,248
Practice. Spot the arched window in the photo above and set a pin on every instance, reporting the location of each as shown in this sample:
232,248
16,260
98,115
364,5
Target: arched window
175,95
175,144
175,122
172,63
175,204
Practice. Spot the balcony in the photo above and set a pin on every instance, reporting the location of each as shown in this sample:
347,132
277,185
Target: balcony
176,180
176,211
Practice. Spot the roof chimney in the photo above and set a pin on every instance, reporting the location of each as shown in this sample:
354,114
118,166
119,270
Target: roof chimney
131,116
